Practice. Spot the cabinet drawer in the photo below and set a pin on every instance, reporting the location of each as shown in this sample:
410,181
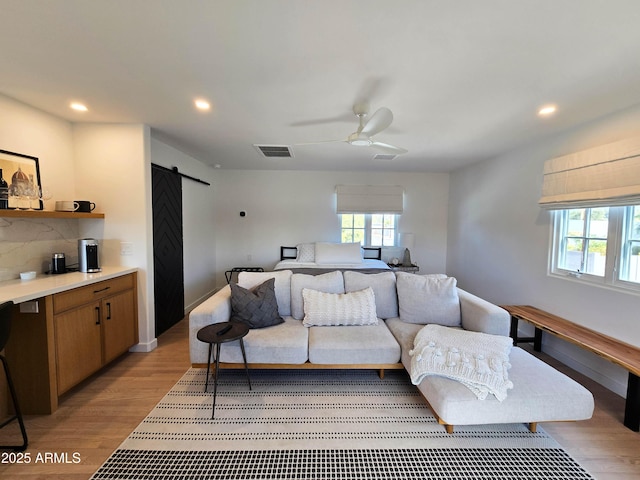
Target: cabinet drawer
79,296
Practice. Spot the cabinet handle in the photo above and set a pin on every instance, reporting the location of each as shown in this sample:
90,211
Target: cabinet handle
101,290
108,310
97,315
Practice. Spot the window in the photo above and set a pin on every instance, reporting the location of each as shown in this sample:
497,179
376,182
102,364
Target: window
598,245
374,229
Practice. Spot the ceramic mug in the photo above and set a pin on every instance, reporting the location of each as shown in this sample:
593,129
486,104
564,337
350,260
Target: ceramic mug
66,206
85,206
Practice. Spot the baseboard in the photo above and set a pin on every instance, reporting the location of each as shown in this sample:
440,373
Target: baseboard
145,347
197,302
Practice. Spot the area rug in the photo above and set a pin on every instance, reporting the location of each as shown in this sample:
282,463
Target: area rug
324,425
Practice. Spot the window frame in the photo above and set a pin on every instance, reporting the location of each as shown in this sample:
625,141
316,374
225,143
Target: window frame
619,222
368,222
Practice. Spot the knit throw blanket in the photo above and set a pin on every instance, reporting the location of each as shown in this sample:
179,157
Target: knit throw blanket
478,360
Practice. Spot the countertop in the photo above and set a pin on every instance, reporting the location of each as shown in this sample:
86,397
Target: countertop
18,291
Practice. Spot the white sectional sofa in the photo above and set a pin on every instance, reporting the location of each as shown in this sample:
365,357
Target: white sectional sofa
404,303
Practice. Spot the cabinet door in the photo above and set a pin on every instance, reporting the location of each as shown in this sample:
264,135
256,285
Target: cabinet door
78,345
119,324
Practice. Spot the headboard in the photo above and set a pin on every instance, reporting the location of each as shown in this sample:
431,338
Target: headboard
291,253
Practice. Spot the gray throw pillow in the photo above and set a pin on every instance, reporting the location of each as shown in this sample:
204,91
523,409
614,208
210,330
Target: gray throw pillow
258,307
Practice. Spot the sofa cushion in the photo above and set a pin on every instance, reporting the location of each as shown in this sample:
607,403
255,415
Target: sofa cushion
366,344
332,253
427,299
327,282
326,309
286,343
540,394
384,289
256,308
282,286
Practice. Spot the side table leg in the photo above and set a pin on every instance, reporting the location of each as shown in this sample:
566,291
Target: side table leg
206,383
244,357
215,380
632,405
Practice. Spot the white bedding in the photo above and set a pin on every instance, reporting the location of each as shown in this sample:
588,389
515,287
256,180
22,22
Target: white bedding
366,263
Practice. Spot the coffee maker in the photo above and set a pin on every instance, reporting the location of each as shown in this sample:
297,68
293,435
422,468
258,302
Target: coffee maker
88,255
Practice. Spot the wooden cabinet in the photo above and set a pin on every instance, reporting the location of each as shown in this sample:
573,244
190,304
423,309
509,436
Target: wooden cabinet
73,334
93,325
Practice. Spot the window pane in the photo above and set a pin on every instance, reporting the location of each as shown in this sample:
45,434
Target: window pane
358,236
358,220
630,261
596,257
347,220
573,254
347,236
599,222
389,221
376,237
389,238
377,220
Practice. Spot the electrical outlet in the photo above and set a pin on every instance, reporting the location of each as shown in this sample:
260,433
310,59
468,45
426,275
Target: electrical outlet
126,248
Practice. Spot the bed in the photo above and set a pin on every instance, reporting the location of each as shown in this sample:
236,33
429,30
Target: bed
320,257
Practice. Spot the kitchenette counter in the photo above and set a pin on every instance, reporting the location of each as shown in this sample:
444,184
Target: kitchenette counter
18,291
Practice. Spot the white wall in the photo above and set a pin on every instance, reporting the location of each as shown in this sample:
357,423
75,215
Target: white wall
113,169
291,207
498,244
199,229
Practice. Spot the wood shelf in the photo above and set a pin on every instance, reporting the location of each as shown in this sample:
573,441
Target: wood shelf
47,214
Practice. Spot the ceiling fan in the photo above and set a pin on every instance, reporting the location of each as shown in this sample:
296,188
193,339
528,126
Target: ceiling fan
362,137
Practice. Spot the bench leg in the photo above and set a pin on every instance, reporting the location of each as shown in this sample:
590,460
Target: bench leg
533,427
632,405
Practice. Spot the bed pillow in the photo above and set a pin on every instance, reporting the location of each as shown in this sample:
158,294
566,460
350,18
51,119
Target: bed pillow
428,299
328,309
306,252
282,286
335,253
384,289
327,282
258,308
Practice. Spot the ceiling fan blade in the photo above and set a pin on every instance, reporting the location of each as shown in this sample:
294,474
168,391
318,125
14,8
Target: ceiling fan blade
380,120
319,143
386,148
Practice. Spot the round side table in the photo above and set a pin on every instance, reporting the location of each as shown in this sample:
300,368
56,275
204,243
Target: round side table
217,334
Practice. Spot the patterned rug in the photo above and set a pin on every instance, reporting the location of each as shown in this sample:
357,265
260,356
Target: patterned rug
324,425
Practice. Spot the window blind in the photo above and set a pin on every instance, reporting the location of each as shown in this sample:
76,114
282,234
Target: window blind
369,199
607,175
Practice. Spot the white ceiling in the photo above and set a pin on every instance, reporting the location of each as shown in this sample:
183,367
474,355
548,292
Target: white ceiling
463,78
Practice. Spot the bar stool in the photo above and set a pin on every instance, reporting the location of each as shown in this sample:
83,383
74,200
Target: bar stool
5,328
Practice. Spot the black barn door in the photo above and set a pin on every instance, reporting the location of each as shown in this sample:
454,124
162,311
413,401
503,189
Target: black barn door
168,263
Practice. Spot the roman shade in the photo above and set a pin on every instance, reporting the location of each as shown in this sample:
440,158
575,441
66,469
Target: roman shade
369,199
607,175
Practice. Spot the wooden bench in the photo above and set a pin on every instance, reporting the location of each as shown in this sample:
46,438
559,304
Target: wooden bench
616,351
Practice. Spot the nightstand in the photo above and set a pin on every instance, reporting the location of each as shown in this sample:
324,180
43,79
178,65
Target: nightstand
403,268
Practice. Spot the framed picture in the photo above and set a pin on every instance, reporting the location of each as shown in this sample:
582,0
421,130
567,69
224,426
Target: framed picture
22,176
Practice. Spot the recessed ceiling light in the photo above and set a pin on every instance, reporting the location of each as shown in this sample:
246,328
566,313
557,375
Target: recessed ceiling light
547,110
79,107
202,104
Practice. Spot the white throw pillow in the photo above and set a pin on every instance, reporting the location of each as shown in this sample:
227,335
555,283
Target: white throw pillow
332,253
327,282
327,309
249,280
427,299
306,252
384,289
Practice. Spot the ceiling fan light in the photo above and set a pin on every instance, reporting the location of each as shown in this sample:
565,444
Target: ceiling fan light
361,142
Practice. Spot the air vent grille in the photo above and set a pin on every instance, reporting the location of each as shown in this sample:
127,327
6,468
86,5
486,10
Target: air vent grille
384,156
270,151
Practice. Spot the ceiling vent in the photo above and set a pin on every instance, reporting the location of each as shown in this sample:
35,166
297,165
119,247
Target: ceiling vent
384,156
271,151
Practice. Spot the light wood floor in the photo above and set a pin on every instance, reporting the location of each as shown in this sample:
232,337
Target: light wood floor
94,418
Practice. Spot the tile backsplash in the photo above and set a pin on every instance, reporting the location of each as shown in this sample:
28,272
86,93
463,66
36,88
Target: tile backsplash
27,244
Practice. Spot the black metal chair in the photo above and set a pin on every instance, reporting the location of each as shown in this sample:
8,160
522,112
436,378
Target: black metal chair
5,328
